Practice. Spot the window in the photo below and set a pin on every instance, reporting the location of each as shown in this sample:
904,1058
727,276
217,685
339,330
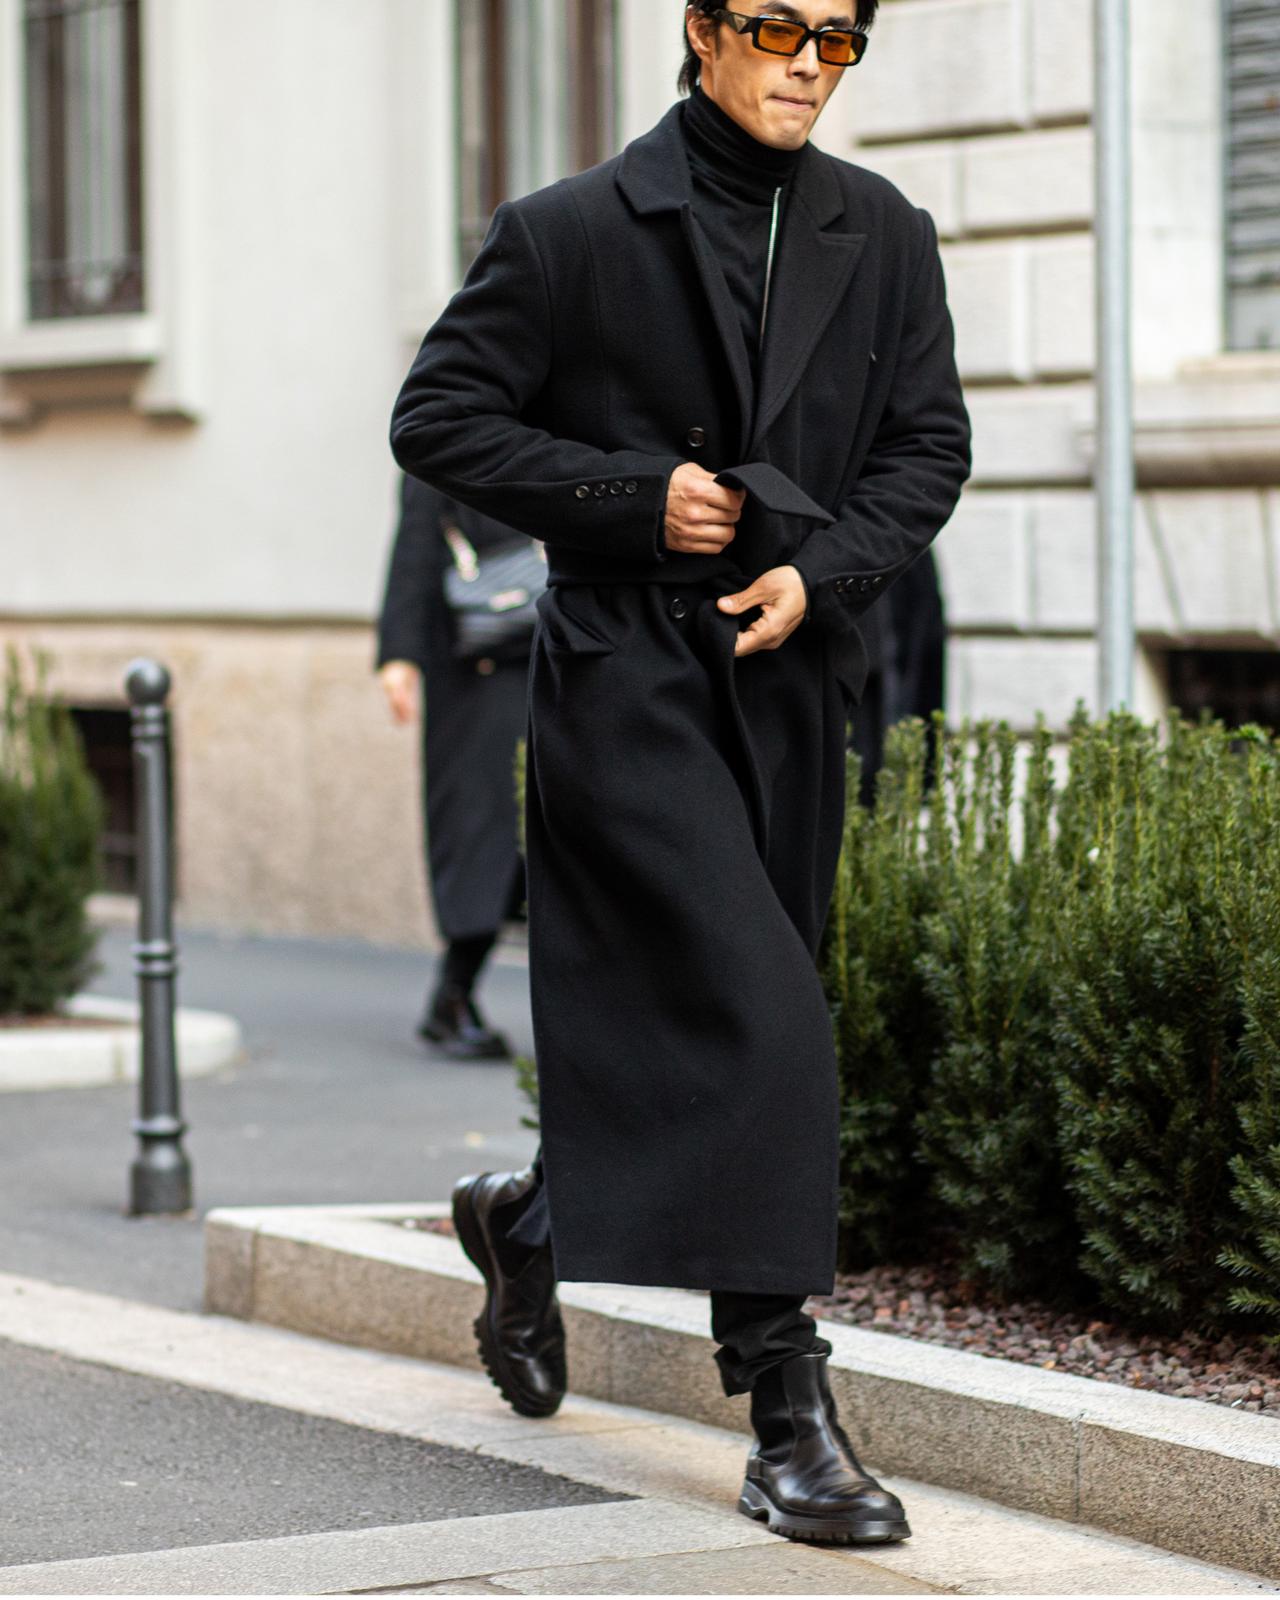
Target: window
108,750
535,100
83,157
1238,686
1252,187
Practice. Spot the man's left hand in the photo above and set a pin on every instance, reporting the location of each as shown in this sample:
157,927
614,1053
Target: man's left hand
780,593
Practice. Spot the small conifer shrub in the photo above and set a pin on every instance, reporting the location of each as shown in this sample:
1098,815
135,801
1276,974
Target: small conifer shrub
51,818
988,1129
870,965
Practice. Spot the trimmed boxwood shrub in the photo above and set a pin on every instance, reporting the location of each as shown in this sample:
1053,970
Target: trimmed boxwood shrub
50,823
1148,1015
988,1126
1057,1010
872,973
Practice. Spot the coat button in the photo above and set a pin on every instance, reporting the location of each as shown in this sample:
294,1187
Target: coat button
582,491
615,488
678,607
697,437
865,585
838,586
632,487
601,489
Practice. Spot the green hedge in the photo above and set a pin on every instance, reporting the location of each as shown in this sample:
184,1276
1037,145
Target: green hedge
50,824
1065,1066
1054,982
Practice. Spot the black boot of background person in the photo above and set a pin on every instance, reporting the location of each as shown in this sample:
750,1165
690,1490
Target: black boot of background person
803,1478
519,1330
453,1021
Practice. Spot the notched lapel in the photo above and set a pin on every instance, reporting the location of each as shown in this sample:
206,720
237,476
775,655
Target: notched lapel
654,176
725,317
813,269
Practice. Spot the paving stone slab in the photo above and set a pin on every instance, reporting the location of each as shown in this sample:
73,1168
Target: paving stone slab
394,1558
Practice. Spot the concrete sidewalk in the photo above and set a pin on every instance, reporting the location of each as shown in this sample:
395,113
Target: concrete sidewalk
653,1514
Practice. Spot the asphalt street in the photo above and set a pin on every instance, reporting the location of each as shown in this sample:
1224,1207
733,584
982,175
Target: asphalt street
96,1462
337,1102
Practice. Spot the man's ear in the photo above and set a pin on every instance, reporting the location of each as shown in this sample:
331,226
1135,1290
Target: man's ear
695,26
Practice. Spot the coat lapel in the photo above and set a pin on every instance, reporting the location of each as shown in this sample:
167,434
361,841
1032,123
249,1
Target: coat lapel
654,176
813,266
726,320
812,269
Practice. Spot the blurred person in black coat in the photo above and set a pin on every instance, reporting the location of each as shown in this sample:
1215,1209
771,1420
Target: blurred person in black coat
474,712
905,635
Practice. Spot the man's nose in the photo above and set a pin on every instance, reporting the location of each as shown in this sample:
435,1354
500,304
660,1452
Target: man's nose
806,63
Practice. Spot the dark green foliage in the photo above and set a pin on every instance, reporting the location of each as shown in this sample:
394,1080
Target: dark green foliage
871,971
1254,1256
50,822
988,1129
1147,1012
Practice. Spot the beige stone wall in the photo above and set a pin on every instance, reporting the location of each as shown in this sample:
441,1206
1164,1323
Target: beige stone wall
297,802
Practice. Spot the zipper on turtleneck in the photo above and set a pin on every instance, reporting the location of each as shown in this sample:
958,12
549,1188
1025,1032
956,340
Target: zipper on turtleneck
768,264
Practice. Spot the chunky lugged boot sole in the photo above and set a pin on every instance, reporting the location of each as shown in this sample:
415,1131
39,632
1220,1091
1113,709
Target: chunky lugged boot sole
471,1238
754,1502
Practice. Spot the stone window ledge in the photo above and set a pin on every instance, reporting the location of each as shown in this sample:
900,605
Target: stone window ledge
76,362
1216,422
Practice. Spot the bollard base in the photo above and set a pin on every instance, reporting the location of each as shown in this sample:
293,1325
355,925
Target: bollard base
159,1187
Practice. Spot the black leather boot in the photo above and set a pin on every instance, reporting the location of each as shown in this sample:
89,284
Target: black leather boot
454,1023
519,1330
803,1478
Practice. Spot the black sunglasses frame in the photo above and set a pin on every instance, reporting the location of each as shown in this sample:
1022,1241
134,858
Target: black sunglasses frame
741,23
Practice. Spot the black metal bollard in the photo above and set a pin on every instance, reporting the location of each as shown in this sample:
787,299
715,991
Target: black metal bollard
160,1177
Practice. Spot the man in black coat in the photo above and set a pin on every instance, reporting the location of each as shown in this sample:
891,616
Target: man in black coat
716,376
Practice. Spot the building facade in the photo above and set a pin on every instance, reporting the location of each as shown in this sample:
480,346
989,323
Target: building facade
225,224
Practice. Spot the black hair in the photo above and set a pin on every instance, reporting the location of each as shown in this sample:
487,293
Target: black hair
690,66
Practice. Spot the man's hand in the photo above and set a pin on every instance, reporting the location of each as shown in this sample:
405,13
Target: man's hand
780,593
701,513
399,680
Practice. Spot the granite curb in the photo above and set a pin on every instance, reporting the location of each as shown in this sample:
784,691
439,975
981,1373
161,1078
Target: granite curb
49,1057
1199,1480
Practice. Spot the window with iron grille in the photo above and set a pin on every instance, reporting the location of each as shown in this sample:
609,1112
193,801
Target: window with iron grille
1252,187
83,73
535,100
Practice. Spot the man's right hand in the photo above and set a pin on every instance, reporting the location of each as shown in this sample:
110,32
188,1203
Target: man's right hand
701,513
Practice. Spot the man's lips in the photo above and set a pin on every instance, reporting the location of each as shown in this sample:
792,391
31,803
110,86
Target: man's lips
789,100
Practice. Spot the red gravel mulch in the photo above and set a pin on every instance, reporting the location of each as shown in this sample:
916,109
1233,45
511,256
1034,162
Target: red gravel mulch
937,1305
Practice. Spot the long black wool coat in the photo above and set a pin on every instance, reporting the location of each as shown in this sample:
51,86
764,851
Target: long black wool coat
472,720
684,805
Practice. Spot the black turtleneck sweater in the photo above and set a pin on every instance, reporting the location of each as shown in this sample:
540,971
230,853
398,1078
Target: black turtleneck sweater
734,179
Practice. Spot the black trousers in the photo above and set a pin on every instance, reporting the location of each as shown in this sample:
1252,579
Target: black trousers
754,1331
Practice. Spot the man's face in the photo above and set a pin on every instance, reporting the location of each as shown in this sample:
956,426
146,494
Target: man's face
777,99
